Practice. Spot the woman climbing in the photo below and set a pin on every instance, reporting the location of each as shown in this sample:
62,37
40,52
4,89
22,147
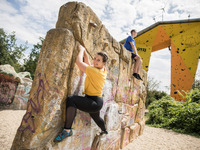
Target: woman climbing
92,102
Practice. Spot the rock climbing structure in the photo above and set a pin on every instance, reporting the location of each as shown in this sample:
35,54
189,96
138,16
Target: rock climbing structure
14,88
57,77
182,39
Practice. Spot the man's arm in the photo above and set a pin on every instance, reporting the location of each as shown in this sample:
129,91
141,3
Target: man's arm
134,48
79,60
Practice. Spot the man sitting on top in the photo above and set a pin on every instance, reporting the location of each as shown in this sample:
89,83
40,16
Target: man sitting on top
130,46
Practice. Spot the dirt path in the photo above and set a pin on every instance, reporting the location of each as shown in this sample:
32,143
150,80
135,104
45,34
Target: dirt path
9,123
152,138
162,139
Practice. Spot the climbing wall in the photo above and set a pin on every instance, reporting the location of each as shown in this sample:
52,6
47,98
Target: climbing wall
182,37
57,77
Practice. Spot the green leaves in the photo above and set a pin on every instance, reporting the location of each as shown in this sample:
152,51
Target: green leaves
31,63
152,93
192,96
10,52
179,116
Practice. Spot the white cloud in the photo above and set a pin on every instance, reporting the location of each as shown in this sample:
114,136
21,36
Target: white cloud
197,77
160,68
7,7
33,18
36,17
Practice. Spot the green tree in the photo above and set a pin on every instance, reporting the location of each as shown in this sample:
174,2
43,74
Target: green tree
31,63
152,93
196,84
152,84
10,52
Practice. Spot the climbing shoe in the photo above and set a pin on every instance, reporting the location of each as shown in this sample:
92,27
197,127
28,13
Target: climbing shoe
62,135
137,76
103,132
133,55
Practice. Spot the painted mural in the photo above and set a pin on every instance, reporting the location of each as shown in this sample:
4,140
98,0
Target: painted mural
14,88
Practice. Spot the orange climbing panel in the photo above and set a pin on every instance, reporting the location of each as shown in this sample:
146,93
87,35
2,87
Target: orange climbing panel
183,38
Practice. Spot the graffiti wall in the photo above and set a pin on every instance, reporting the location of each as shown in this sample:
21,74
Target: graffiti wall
14,88
57,77
7,90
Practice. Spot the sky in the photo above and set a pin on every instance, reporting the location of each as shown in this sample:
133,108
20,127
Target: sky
31,19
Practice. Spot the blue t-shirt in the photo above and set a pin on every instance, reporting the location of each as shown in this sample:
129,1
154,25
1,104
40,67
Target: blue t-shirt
127,44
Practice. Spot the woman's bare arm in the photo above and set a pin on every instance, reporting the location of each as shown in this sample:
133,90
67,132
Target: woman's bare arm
79,60
86,58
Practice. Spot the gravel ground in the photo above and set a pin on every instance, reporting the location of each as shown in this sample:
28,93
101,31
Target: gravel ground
9,122
162,139
152,138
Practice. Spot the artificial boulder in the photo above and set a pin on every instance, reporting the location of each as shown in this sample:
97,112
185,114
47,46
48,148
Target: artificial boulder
57,77
14,88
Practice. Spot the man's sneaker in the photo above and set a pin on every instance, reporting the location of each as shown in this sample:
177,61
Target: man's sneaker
135,75
139,77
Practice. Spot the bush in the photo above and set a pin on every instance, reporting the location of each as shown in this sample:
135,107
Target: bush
194,95
153,96
179,116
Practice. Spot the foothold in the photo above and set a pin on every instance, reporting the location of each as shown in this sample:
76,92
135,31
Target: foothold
106,44
113,61
183,49
175,92
93,24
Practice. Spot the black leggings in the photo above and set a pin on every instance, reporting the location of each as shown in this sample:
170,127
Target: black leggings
90,104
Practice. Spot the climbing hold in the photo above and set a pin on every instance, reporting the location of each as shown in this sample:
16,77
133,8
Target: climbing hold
93,24
106,44
113,61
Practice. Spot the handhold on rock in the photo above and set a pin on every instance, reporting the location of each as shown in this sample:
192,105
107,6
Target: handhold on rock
93,24
113,61
106,44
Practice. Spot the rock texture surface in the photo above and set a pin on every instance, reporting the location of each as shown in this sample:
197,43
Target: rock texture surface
57,77
14,88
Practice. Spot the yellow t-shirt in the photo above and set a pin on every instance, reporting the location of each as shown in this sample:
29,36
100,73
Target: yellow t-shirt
94,81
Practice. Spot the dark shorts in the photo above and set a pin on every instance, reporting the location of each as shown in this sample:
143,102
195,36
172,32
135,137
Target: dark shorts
133,55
